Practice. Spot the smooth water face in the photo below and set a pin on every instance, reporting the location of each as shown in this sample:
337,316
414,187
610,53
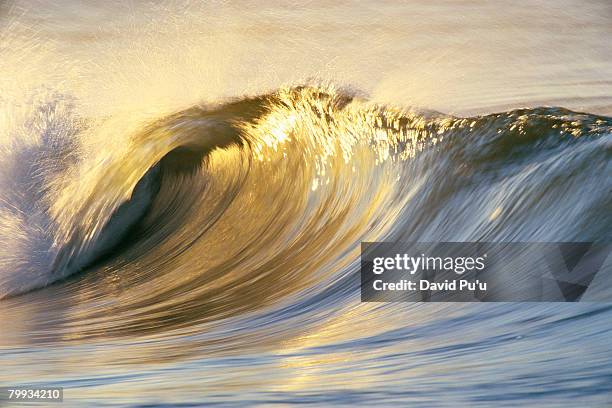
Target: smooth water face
165,239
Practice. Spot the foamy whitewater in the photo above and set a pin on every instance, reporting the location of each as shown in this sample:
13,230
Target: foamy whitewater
184,189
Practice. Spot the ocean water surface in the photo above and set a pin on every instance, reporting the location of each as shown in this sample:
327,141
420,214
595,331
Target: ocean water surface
184,187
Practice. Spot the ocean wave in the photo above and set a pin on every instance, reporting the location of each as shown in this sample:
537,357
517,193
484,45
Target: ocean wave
260,203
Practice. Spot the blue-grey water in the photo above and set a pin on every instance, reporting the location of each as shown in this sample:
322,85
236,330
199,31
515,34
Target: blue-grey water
184,187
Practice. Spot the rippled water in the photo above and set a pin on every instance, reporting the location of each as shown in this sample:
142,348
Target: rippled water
167,240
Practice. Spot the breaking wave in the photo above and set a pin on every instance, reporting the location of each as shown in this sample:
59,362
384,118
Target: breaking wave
216,211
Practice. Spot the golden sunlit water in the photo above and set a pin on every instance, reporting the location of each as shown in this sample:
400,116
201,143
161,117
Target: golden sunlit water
184,188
